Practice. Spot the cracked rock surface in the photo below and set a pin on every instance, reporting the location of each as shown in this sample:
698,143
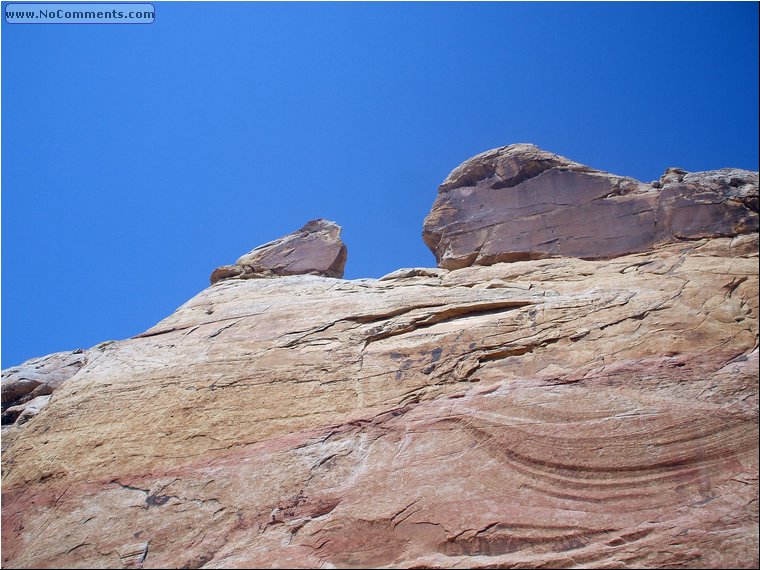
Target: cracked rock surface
557,412
519,202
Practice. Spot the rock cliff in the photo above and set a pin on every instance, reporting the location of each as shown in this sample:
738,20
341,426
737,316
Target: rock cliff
573,407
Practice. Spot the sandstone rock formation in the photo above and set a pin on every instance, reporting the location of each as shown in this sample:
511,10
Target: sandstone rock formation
542,413
519,202
315,249
36,379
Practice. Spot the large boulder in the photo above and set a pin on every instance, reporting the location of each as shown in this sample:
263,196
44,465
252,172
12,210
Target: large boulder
519,202
315,249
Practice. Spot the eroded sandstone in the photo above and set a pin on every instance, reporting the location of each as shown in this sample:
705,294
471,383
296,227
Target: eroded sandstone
315,249
519,202
552,412
35,379
558,412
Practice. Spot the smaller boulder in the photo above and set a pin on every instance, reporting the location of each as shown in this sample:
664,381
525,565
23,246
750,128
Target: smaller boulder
315,249
226,272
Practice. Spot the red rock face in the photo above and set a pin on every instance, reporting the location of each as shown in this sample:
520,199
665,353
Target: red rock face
519,202
315,249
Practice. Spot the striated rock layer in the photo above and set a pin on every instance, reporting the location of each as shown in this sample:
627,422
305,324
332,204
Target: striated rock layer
544,413
520,202
557,412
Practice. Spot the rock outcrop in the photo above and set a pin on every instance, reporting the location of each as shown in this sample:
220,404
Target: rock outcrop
36,379
315,249
541,413
519,202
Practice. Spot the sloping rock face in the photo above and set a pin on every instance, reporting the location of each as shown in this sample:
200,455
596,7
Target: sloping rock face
542,413
315,249
519,202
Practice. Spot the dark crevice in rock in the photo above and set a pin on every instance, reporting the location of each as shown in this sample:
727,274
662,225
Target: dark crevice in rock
448,315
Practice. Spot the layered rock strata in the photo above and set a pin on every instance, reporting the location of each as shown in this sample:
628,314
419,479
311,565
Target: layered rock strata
519,202
315,249
544,413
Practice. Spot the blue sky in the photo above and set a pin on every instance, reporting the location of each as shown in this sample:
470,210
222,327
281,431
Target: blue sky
137,158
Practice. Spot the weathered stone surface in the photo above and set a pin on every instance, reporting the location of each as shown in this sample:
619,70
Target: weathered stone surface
226,272
520,202
408,272
37,377
25,412
556,413
315,249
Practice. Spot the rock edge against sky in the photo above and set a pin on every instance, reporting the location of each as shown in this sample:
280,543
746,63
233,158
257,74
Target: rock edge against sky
591,403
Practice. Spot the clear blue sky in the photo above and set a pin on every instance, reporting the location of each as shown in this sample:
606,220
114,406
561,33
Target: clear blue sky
137,158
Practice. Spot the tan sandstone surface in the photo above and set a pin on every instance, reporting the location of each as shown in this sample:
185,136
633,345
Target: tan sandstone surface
548,413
